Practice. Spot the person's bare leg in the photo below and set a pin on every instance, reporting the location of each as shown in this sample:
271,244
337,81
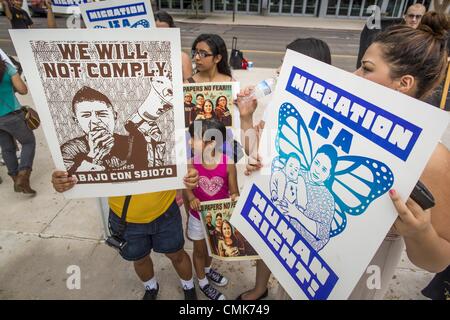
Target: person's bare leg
182,264
144,268
200,256
208,259
262,278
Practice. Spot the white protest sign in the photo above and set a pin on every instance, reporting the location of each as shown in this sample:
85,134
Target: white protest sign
108,108
68,6
118,14
333,146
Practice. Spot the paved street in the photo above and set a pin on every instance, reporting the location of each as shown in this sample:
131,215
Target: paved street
264,45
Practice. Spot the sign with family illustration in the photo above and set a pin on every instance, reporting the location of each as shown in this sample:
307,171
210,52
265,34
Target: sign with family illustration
118,14
108,106
209,101
223,240
332,147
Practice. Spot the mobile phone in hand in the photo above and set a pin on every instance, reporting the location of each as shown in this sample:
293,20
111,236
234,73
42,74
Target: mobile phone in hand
422,196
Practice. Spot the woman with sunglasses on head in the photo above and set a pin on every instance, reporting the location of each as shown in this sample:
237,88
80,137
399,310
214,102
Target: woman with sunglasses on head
413,61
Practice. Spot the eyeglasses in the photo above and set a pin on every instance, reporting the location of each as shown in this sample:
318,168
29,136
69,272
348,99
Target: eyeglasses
412,16
201,54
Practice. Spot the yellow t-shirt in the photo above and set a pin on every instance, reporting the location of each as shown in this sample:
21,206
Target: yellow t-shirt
143,208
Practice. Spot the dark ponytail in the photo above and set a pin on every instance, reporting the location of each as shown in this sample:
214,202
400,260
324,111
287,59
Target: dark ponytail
420,52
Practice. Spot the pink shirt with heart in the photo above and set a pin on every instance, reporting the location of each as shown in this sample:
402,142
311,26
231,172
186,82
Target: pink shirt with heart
212,184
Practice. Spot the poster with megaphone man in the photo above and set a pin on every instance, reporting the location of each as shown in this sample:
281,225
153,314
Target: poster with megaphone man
108,107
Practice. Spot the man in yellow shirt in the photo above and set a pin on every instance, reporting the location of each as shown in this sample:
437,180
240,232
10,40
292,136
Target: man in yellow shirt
153,222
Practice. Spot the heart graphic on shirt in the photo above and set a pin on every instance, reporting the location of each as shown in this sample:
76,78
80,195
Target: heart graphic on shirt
210,186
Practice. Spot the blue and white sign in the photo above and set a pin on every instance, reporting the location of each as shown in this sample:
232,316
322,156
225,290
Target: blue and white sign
333,146
118,14
68,6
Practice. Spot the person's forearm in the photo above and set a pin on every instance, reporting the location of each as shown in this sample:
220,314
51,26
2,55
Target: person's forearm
8,13
247,134
51,22
232,180
188,196
428,251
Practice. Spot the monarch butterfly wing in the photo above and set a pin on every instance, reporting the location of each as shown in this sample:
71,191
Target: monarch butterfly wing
339,221
358,181
293,136
141,23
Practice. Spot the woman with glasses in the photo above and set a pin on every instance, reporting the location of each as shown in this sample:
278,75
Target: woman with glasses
210,55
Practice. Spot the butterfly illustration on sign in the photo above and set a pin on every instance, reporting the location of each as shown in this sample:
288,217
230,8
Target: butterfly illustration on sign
143,23
316,190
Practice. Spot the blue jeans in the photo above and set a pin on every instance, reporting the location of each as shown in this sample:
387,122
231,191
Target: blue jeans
162,235
13,127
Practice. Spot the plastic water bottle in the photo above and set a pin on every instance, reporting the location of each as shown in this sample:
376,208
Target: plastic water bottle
262,89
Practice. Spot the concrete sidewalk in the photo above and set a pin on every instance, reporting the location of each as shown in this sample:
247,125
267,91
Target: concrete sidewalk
279,21
42,236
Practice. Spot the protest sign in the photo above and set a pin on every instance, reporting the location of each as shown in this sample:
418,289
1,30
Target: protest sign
210,100
333,145
68,6
108,108
118,14
223,240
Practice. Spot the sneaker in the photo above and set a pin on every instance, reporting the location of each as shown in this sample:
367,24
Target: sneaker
190,294
212,293
151,294
216,278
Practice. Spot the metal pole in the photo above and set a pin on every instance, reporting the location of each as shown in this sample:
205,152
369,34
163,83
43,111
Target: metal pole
234,9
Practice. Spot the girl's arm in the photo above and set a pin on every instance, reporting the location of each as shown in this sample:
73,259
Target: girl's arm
232,181
189,197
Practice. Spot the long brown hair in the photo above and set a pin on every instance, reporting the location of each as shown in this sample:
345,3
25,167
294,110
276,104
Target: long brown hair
420,52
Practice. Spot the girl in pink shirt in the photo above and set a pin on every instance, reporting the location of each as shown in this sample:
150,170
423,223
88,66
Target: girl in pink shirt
218,180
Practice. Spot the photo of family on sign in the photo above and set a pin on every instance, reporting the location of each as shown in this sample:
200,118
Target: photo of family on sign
208,101
224,242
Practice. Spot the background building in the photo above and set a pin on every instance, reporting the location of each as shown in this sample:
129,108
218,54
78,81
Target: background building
350,9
